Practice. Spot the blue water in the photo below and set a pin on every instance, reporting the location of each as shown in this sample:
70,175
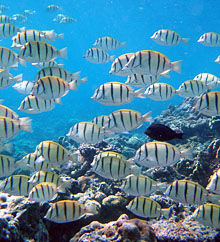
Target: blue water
131,21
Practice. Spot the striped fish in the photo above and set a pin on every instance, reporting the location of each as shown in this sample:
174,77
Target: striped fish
160,154
147,208
26,36
119,63
9,128
208,214
7,112
67,211
67,20
139,185
9,58
108,154
32,104
211,81
52,87
8,30
108,43
16,185
168,37
47,64
86,132
160,92
43,192
125,120
6,82
29,162
24,87
52,152
149,62
186,191
211,39
137,80
53,8
214,183
116,93
39,51
100,120
112,167
97,56
208,104
191,88
7,165
59,72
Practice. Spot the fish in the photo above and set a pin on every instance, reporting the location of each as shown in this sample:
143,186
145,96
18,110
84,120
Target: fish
211,39
9,58
39,51
32,104
97,56
160,92
17,185
100,120
24,87
52,152
7,112
191,88
52,87
146,207
162,132
43,192
149,62
140,185
86,132
214,183
59,72
125,120
137,80
160,154
116,93
208,104
113,167
9,128
67,20
51,35
47,64
119,63
26,36
108,43
53,8
210,80
6,82
29,12
187,192
6,19
59,17
49,176
103,154
208,215
28,162
65,211
168,37
7,165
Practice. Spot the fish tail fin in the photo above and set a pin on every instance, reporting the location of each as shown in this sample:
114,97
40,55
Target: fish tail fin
162,186
179,135
18,78
75,75
72,85
140,93
25,124
147,117
122,44
214,198
185,40
166,212
22,62
65,184
84,80
8,147
63,53
166,74
187,154
91,208
61,36
112,57
176,66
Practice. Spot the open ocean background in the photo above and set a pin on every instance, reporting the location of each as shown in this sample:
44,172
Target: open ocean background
132,21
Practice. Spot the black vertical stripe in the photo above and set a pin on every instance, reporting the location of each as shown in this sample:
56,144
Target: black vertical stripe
195,193
65,210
